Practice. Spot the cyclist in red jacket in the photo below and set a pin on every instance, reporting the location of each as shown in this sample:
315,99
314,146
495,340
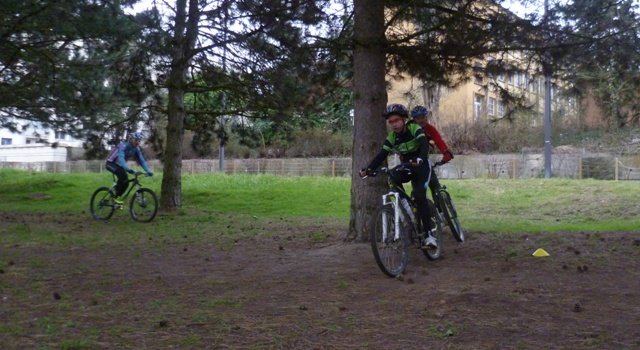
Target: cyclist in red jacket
420,115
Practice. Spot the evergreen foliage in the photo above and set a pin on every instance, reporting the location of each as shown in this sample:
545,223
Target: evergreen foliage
76,66
605,55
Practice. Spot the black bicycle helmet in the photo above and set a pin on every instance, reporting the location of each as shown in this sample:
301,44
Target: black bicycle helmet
419,112
396,109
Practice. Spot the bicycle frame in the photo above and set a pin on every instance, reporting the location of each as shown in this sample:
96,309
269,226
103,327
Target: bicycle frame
131,184
392,255
393,198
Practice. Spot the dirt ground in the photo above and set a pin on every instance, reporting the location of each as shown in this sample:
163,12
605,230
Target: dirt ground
291,291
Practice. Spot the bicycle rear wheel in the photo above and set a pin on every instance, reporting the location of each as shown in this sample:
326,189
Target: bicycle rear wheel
392,255
451,216
434,253
144,205
101,204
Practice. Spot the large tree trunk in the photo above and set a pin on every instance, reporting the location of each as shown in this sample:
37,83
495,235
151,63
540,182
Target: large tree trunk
370,100
186,31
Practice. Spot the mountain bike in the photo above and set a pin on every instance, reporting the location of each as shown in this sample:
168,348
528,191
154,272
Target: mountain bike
143,205
398,226
447,210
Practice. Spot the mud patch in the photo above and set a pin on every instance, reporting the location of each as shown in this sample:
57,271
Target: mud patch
302,287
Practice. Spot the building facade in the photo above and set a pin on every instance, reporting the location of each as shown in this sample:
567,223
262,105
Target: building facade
482,97
36,143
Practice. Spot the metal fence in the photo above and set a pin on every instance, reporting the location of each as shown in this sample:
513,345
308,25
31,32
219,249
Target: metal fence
284,166
524,165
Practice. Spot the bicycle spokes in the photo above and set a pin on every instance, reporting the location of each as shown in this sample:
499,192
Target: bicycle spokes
391,252
451,216
141,200
144,205
102,205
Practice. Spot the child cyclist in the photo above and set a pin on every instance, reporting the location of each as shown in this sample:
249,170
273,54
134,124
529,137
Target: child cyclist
117,162
409,141
420,115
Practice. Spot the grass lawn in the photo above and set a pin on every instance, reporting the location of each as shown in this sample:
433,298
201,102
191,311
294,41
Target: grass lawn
257,261
487,205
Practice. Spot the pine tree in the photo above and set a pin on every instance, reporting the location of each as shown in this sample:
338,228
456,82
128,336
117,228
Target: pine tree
62,65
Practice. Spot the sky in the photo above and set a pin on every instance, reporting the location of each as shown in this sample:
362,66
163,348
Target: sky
513,5
529,6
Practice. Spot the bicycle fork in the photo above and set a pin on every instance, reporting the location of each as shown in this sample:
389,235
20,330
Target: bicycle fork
392,198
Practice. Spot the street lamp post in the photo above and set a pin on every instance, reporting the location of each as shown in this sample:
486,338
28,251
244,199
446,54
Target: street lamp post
546,66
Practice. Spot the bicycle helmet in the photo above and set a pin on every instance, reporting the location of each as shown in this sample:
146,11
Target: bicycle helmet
137,136
395,109
419,112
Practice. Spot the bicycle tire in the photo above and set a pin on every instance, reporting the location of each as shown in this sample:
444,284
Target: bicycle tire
434,254
392,256
143,206
102,205
451,215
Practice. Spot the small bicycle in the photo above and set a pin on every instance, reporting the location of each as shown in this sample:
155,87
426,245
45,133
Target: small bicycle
397,227
143,205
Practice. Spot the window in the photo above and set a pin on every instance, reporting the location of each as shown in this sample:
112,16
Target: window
533,85
477,105
6,141
500,109
501,77
510,78
491,106
60,135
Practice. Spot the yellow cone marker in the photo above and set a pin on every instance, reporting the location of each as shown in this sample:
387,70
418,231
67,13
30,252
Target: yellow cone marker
539,253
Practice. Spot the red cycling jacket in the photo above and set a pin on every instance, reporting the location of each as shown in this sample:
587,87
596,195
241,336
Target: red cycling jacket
433,133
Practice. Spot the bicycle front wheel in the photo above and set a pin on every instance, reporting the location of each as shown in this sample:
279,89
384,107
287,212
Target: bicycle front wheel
101,204
392,255
144,205
451,216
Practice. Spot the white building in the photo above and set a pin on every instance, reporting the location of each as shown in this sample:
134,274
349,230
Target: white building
36,144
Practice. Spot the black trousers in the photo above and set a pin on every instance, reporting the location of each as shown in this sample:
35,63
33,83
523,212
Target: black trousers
434,184
123,178
420,177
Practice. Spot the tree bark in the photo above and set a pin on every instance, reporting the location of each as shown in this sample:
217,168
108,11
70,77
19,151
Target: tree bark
184,38
370,100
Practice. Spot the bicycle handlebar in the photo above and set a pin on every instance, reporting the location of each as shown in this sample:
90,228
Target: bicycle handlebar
136,175
385,170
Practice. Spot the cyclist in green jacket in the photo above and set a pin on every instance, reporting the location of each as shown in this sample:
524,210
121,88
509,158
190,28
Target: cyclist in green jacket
410,143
